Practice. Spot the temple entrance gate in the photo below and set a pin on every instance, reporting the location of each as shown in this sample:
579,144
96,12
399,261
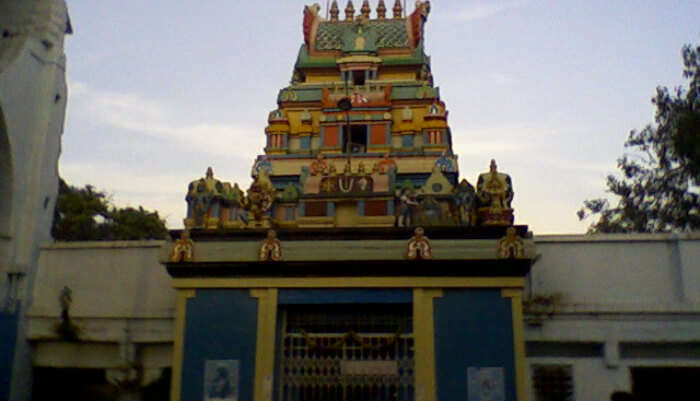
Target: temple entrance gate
346,352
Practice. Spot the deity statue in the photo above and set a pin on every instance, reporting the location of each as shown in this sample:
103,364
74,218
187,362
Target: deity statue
260,196
386,164
429,212
319,166
407,202
465,200
419,246
494,191
271,248
183,250
203,201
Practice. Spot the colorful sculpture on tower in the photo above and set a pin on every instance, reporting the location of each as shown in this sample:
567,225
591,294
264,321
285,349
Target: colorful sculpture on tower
358,138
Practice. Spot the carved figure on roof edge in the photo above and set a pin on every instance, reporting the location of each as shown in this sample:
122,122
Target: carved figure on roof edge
419,246
495,192
511,246
183,249
262,162
271,248
202,198
465,202
213,204
259,200
407,205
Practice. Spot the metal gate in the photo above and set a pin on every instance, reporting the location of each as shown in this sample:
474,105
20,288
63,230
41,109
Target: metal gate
346,353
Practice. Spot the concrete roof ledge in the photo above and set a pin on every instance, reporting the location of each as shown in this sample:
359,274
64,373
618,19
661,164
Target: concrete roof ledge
57,245
635,237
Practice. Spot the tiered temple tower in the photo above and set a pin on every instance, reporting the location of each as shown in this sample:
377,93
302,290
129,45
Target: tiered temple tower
360,138
356,266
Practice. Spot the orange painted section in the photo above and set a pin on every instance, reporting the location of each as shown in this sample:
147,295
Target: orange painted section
331,137
377,135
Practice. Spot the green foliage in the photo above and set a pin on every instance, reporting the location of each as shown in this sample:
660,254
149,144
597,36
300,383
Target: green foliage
658,191
85,214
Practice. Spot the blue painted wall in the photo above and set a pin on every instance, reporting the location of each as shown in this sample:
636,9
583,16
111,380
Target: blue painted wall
8,338
473,328
219,325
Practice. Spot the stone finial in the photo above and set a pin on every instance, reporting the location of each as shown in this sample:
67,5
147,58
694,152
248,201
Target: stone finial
210,172
398,9
381,10
334,11
349,11
365,10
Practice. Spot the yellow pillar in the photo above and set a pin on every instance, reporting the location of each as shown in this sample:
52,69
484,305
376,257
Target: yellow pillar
424,342
179,341
516,296
265,343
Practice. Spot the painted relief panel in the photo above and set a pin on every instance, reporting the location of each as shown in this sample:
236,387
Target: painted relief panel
486,384
221,380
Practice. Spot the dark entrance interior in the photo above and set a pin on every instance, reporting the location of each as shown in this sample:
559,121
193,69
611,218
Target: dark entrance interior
655,383
356,142
92,385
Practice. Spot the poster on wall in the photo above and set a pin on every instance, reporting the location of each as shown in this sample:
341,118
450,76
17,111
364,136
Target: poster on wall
221,380
485,384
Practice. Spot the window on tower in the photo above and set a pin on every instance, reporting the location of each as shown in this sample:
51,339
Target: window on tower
356,142
358,77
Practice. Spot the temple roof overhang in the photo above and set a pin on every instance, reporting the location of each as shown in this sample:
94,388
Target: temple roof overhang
353,251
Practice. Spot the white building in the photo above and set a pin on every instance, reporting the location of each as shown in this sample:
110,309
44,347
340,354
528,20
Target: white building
603,313
32,108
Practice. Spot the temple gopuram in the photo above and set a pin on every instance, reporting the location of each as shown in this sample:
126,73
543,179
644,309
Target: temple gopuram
358,265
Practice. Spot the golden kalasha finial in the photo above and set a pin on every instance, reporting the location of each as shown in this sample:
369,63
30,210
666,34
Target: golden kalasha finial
398,9
334,11
365,10
349,11
381,10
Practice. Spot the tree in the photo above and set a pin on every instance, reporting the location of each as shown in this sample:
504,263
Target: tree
658,191
85,214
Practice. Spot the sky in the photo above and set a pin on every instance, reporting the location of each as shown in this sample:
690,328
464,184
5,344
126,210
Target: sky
160,90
